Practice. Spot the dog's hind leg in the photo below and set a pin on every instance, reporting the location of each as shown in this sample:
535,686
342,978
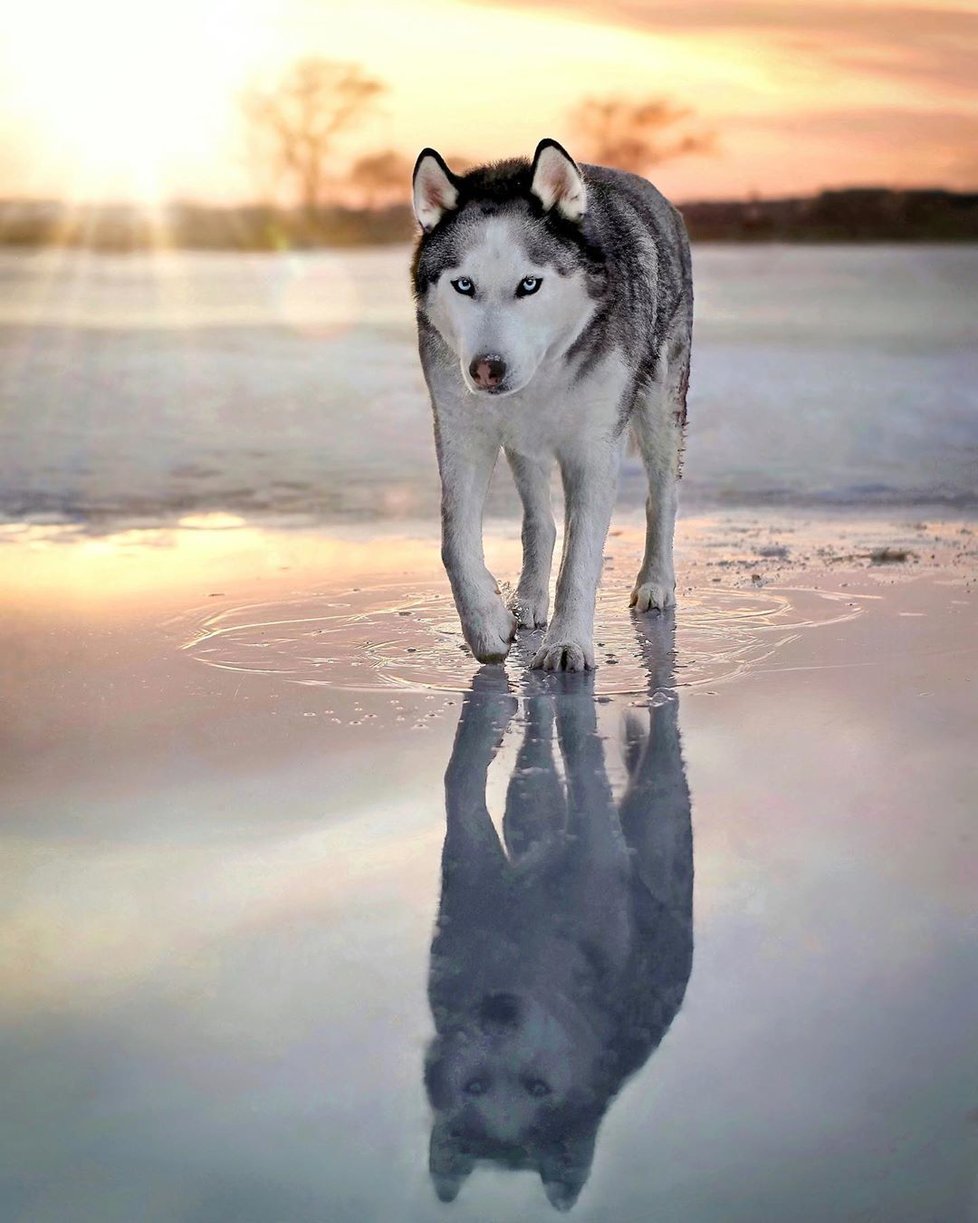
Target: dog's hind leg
597,866
659,422
592,814
536,806
531,600
655,807
590,474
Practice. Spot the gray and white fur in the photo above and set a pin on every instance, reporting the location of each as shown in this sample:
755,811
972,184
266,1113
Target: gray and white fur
563,948
554,309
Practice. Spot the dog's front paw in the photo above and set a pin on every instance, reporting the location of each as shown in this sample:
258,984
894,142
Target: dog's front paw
565,652
489,630
530,608
658,593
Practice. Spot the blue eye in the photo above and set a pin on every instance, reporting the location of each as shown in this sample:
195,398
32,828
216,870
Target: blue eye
528,285
464,286
537,1087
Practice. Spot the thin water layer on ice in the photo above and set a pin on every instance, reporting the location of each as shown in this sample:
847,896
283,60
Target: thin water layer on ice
404,636
310,917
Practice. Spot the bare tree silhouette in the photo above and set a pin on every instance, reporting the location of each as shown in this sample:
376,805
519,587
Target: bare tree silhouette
381,177
293,125
385,177
634,135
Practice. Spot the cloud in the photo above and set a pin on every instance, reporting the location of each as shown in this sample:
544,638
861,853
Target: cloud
945,126
936,44
907,147
820,91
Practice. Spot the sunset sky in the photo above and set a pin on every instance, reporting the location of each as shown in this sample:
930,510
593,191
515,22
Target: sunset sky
139,99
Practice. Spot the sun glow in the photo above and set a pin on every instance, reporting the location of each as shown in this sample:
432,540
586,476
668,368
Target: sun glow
139,99
126,98
123,89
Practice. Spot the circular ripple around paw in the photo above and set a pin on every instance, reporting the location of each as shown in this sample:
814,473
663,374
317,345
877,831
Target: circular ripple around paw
399,636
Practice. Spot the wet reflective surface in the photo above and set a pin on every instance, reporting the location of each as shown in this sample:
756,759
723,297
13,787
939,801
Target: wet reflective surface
275,948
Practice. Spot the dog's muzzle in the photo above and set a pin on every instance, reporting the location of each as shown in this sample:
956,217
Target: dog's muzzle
499,1013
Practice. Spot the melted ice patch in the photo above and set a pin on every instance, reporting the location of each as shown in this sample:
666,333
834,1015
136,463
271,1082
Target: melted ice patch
400,636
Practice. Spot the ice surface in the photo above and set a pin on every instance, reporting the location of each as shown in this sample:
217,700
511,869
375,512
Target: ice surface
141,385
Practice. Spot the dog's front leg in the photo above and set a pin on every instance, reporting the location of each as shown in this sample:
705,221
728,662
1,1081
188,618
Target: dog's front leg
590,484
472,845
466,461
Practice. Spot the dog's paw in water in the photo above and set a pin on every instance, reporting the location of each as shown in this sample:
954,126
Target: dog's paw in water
490,630
530,608
564,655
654,595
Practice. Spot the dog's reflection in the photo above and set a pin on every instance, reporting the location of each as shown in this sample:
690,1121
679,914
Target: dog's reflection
561,955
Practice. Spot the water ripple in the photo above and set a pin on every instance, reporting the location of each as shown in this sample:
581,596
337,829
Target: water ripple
400,636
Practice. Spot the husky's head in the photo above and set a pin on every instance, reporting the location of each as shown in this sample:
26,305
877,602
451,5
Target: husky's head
503,269
517,1084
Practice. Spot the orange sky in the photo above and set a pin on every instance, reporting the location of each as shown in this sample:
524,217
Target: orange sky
137,98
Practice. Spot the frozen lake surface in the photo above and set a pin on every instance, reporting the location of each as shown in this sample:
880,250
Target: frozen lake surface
164,384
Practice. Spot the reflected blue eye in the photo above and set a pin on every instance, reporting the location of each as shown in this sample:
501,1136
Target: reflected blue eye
528,285
537,1087
476,1087
464,286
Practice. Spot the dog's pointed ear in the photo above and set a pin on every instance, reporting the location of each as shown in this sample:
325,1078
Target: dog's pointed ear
448,1165
557,181
565,1171
435,190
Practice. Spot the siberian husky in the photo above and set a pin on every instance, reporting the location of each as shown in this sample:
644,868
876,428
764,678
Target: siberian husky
562,949
554,309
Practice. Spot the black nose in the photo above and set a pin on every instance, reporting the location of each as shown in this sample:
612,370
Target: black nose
499,1012
488,370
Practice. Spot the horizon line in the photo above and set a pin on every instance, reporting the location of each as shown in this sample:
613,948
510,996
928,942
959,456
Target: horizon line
151,206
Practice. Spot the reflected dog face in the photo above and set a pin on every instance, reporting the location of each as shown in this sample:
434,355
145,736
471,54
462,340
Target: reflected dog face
508,1084
510,1058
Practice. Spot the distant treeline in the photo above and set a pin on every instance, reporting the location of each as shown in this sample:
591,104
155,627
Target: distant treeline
866,214
856,215
254,227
